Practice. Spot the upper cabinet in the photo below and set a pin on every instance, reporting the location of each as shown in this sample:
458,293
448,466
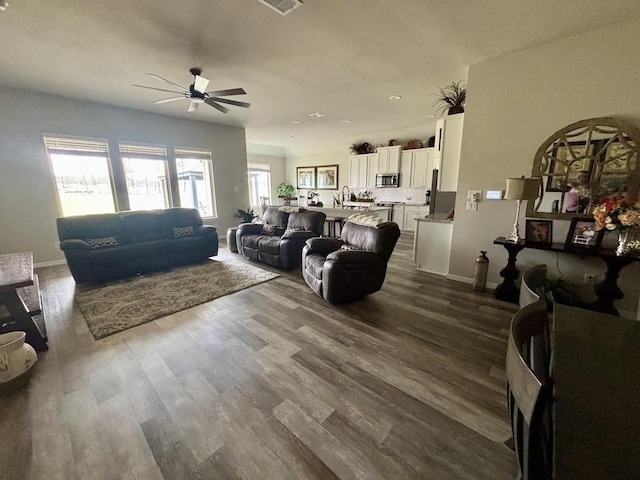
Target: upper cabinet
447,151
417,168
362,170
389,159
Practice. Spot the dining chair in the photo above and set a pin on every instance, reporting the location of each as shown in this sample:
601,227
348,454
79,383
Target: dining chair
532,288
529,392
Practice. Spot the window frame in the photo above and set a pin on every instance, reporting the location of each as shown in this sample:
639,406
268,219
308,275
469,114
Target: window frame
147,151
205,155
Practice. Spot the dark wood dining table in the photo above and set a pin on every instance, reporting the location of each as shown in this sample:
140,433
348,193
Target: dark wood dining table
596,409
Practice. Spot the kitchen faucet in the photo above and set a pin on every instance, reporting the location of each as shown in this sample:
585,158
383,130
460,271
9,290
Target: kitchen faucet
345,197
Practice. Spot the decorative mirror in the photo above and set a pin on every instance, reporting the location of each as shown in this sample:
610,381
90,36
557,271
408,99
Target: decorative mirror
583,162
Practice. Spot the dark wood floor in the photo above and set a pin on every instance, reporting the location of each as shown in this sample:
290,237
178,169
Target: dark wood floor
271,383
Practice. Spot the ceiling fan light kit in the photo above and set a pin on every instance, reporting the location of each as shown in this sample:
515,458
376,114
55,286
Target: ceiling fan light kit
196,93
283,7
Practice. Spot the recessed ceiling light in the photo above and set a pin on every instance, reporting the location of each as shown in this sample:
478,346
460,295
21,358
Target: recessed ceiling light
295,122
395,97
338,132
346,121
292,136
256,136
317,114
429,116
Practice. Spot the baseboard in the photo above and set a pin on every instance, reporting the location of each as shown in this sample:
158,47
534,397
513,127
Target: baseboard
459,278
52,263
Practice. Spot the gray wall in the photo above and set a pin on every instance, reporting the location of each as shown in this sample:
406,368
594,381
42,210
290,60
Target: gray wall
28,207
515,103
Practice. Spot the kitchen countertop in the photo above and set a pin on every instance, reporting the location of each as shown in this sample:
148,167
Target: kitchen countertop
441,218
364,208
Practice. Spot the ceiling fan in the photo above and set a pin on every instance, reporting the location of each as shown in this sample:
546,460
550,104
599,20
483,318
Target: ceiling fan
197,95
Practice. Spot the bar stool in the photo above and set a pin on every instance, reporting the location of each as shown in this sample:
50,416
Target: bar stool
333,223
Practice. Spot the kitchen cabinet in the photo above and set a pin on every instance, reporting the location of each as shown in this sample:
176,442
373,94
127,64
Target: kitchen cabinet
362,170
417,168
432,246
397,216
409,214
389,159
447,151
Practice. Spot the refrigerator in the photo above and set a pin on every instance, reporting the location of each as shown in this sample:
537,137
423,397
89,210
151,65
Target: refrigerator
441,202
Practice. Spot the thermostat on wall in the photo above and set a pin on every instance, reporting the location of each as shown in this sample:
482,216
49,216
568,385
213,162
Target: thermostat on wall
494,195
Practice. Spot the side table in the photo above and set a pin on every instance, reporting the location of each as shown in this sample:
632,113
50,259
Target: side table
231,239
507,290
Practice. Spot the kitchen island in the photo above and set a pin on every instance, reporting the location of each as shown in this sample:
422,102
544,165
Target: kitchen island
336,213
432,244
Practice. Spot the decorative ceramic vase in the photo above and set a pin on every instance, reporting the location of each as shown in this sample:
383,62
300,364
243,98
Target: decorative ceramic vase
480,272
16,357
629,242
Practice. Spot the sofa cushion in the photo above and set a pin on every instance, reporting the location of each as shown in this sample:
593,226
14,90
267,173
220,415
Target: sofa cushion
145,226
91,226
251,241
269,244
273,216
307,220
182,231
314,264
103,242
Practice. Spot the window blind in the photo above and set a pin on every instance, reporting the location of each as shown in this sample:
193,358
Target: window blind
74,146
150,152
264,167
192,153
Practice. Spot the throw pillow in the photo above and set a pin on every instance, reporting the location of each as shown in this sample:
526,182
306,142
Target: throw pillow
104,242
268,229
287,233
344,246
182,232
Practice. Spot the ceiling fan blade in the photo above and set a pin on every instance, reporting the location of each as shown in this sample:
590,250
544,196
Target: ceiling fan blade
231,102
217,106
192,107
200,84
159,89
167,100
231,91
165,80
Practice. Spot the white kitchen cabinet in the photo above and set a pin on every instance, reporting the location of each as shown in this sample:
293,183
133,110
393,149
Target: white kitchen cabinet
389,159
362,170
416,168
432,246
411,212
447,151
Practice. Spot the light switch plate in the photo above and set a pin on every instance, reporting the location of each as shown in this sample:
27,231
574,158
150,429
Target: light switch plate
494,195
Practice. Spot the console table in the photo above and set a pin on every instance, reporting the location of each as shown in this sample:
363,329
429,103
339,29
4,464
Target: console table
20,294
607,290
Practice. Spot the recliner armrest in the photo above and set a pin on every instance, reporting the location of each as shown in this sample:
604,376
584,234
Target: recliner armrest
249,229
299,235
74,244
323,245
355,256
204,229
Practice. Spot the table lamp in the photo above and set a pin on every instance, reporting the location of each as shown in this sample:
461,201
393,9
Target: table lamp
520,189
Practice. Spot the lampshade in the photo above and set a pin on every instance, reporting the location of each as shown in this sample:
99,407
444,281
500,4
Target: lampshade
522,188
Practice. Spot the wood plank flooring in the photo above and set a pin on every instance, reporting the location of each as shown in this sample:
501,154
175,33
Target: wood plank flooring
271,383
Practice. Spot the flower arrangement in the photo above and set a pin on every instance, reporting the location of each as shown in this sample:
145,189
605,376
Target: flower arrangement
615,213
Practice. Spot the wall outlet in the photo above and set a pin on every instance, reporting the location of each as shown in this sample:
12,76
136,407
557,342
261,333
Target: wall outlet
472,205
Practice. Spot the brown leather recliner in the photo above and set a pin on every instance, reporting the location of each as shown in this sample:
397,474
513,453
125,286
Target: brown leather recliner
345,269
282,246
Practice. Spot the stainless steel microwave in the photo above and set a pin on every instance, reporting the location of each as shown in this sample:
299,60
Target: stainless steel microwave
385,180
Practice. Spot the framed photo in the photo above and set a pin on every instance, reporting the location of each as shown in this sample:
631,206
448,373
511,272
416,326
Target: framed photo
583,236
564,169
306,177
327,177
539,232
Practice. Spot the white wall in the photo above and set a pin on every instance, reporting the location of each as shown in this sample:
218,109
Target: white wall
28,206
514,103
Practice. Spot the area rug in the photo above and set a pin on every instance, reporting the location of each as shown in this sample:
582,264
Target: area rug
126,303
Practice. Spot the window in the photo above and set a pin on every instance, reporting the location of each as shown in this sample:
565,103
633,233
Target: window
82,175
195,180
259,184
146,174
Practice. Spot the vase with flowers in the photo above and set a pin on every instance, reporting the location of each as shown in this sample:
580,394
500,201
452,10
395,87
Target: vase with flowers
623,216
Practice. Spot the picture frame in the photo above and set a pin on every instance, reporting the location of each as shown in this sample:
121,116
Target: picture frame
561,157
306,178
582,235
539,232
327,177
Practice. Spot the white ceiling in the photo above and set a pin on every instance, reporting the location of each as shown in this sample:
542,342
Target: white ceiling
341,57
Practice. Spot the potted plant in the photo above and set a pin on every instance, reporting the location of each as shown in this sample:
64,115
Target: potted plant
451,98
246,216
361,148
286,191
